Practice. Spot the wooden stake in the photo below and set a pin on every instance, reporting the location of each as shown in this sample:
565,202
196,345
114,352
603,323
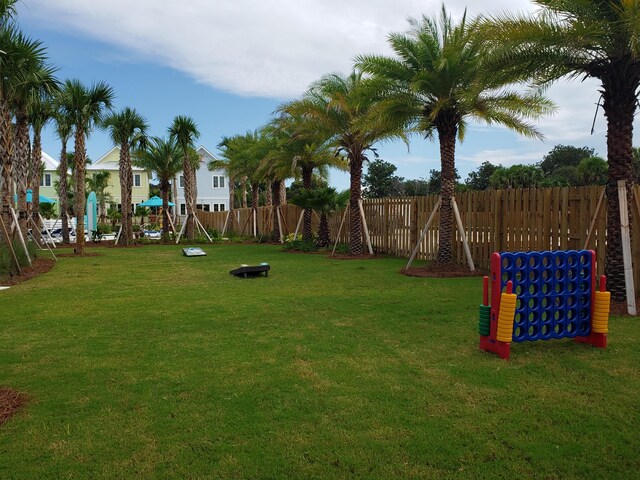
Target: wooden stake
20,236
366,228
182,227
117,236
10,244
463,234
626,248
594,220
47,230
339,230
299,223
424,232
44,241
224,227
279,224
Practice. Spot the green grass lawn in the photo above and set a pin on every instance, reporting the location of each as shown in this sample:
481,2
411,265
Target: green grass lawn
142,363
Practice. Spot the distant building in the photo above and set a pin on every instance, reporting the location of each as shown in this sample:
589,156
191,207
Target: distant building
49,178
213,186
110,162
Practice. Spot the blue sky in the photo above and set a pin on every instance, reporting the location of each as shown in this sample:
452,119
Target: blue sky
229,64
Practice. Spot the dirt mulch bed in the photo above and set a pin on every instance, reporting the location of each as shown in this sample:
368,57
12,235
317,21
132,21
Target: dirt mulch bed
84,254
442,270
40,265
10,402
620,308
346,256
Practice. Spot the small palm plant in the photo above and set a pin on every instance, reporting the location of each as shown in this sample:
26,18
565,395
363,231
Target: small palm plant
324,201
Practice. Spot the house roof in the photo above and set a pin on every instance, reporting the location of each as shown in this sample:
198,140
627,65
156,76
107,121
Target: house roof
49,162
110,161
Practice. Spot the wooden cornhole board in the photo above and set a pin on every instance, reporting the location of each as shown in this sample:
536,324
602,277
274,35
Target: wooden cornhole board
246,271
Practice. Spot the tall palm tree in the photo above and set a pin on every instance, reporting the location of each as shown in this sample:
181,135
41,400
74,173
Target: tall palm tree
184,131
86,106
64,131
23,74
164,158
305,153
342,108
98,183
244,155
128,130
226,149
437,82
585,39
36,81
40,113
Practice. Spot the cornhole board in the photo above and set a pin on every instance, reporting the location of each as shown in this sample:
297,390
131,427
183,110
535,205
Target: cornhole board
246,271
193,252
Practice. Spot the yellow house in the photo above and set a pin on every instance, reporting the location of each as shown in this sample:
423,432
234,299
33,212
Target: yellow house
49,178
109,162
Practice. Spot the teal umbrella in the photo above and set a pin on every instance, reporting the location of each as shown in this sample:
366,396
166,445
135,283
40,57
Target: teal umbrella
154,201
43,199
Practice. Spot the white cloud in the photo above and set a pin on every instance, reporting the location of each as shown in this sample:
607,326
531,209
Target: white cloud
271,48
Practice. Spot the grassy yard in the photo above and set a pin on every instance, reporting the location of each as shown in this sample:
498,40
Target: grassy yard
142,363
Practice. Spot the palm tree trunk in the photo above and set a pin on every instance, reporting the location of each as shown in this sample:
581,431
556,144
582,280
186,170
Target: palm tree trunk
244,192
36,174
282,192
619,108
21,164
189,198
323,231
6,157
80,160
355,232
62,186
164,191
447,136
126,184
307,179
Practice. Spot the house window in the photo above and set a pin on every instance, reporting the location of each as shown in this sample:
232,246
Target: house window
215,207
222,207
203,206
136,180
183,209
45,181
181,181
218,182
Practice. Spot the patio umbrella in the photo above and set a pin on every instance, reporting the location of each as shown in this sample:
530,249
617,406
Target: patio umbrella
154,201
43,199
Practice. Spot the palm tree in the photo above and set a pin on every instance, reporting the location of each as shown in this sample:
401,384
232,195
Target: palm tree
86,106
244,155
128,130
184,132
64,130
40,113
164,158
323,200
98,183
36,81
223,163
23,75
585,39
306,153
342,108
439,80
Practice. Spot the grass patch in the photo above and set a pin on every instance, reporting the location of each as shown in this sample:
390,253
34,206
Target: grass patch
142,363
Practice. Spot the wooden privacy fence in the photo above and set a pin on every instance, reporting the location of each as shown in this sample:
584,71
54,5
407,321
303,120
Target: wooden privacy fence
494,220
